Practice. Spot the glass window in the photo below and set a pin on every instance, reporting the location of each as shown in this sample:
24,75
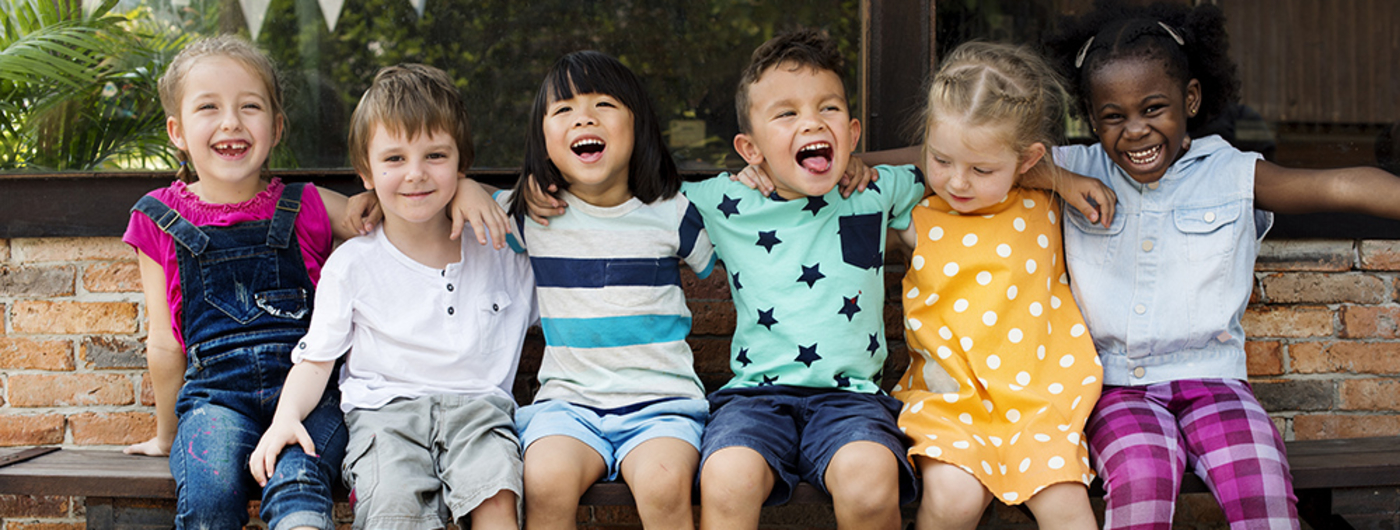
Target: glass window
689,54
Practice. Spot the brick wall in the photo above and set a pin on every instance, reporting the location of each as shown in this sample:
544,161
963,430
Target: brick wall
1324,360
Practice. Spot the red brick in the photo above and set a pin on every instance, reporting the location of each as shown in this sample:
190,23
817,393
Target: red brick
148,390
1329,426
1370,394
616,515
1381,322
113,353
117,277
1322,288
1264,357
1380,255
111,428
711,354
713,287
30,430
17,353
1345,357
30,250
73,317
20,506
1288,321
711,317
1305,255
34,390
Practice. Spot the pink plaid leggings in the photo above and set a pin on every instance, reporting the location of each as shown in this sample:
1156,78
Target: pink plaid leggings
1143,438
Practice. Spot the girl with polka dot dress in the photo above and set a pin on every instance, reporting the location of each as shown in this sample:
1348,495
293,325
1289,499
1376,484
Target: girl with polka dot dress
1003,374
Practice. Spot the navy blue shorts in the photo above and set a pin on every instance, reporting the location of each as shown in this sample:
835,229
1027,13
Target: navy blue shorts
798,430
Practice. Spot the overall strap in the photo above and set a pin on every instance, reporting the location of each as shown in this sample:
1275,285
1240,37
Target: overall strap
279,233
171,222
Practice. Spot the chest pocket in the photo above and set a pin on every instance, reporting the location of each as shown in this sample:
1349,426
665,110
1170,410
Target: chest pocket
238,280
860,240
1089,242
1208,232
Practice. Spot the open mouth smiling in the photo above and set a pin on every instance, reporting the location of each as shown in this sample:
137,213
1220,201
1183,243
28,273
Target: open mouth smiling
230,148
1145,156
816,157
589,149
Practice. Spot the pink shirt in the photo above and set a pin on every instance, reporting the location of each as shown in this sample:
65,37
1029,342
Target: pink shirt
313,230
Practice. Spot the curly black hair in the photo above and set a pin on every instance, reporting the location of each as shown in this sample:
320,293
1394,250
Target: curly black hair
1121,30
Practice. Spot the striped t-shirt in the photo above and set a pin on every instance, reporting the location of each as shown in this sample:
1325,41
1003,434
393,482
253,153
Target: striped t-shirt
611,305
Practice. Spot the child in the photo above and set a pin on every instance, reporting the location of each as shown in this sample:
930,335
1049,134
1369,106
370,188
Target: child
806,272
229,261
618,390
1172,274
435,326
1002,375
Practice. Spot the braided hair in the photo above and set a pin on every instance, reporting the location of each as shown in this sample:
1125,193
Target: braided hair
1002,85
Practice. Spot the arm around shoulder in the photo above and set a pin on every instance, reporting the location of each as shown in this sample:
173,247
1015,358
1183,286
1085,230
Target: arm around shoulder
1365,190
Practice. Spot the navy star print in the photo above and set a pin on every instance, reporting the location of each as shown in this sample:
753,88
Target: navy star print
737,285
768,381
807,354
765,318
872,187
814,204
841,380
743,357
768,240
874,344
810,275
850,307
729,206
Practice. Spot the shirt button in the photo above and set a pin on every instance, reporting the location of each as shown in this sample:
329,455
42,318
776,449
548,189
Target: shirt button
449,287
1147,245
495,307
1210,217
450,311
1139,372
1140,309
1152,186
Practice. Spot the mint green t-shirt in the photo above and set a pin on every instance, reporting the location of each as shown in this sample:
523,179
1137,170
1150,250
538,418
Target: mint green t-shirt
807,278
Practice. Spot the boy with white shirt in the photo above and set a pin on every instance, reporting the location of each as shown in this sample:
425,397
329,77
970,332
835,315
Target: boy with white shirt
435,326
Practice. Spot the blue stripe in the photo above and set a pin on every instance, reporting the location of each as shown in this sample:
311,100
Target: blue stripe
691,225
614,332
598,273
709,267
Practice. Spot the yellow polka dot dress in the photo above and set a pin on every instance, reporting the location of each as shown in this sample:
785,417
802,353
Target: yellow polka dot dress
1003,373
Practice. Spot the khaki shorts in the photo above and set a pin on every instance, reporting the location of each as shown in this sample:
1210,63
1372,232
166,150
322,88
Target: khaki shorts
411,463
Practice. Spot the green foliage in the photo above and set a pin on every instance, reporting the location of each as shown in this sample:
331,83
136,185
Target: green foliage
688,52
77,90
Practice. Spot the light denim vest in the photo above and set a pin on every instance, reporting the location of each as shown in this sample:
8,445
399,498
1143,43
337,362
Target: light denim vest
1164,286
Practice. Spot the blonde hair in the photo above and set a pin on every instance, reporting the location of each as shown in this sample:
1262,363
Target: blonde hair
984,84
409,99
172,82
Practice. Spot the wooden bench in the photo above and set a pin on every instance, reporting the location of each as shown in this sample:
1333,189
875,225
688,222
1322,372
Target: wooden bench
119,488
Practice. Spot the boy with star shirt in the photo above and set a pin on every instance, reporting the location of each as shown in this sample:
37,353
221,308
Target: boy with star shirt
806,272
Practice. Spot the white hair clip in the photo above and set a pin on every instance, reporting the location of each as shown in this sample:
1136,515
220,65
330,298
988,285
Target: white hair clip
1175,36
1083,50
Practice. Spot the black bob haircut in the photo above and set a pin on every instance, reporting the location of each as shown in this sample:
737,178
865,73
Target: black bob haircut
1123,30
652,173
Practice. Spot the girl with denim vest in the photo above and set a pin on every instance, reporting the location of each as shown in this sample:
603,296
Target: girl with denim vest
1163,287
229,260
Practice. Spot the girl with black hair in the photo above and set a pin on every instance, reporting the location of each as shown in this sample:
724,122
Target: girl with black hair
1164,286
618,391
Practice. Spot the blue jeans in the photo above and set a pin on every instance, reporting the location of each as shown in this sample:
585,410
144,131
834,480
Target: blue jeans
227,402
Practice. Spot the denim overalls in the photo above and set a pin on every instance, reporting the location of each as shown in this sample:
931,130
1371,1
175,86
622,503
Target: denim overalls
247,301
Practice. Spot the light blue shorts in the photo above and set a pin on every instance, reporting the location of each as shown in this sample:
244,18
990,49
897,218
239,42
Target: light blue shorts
614,432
